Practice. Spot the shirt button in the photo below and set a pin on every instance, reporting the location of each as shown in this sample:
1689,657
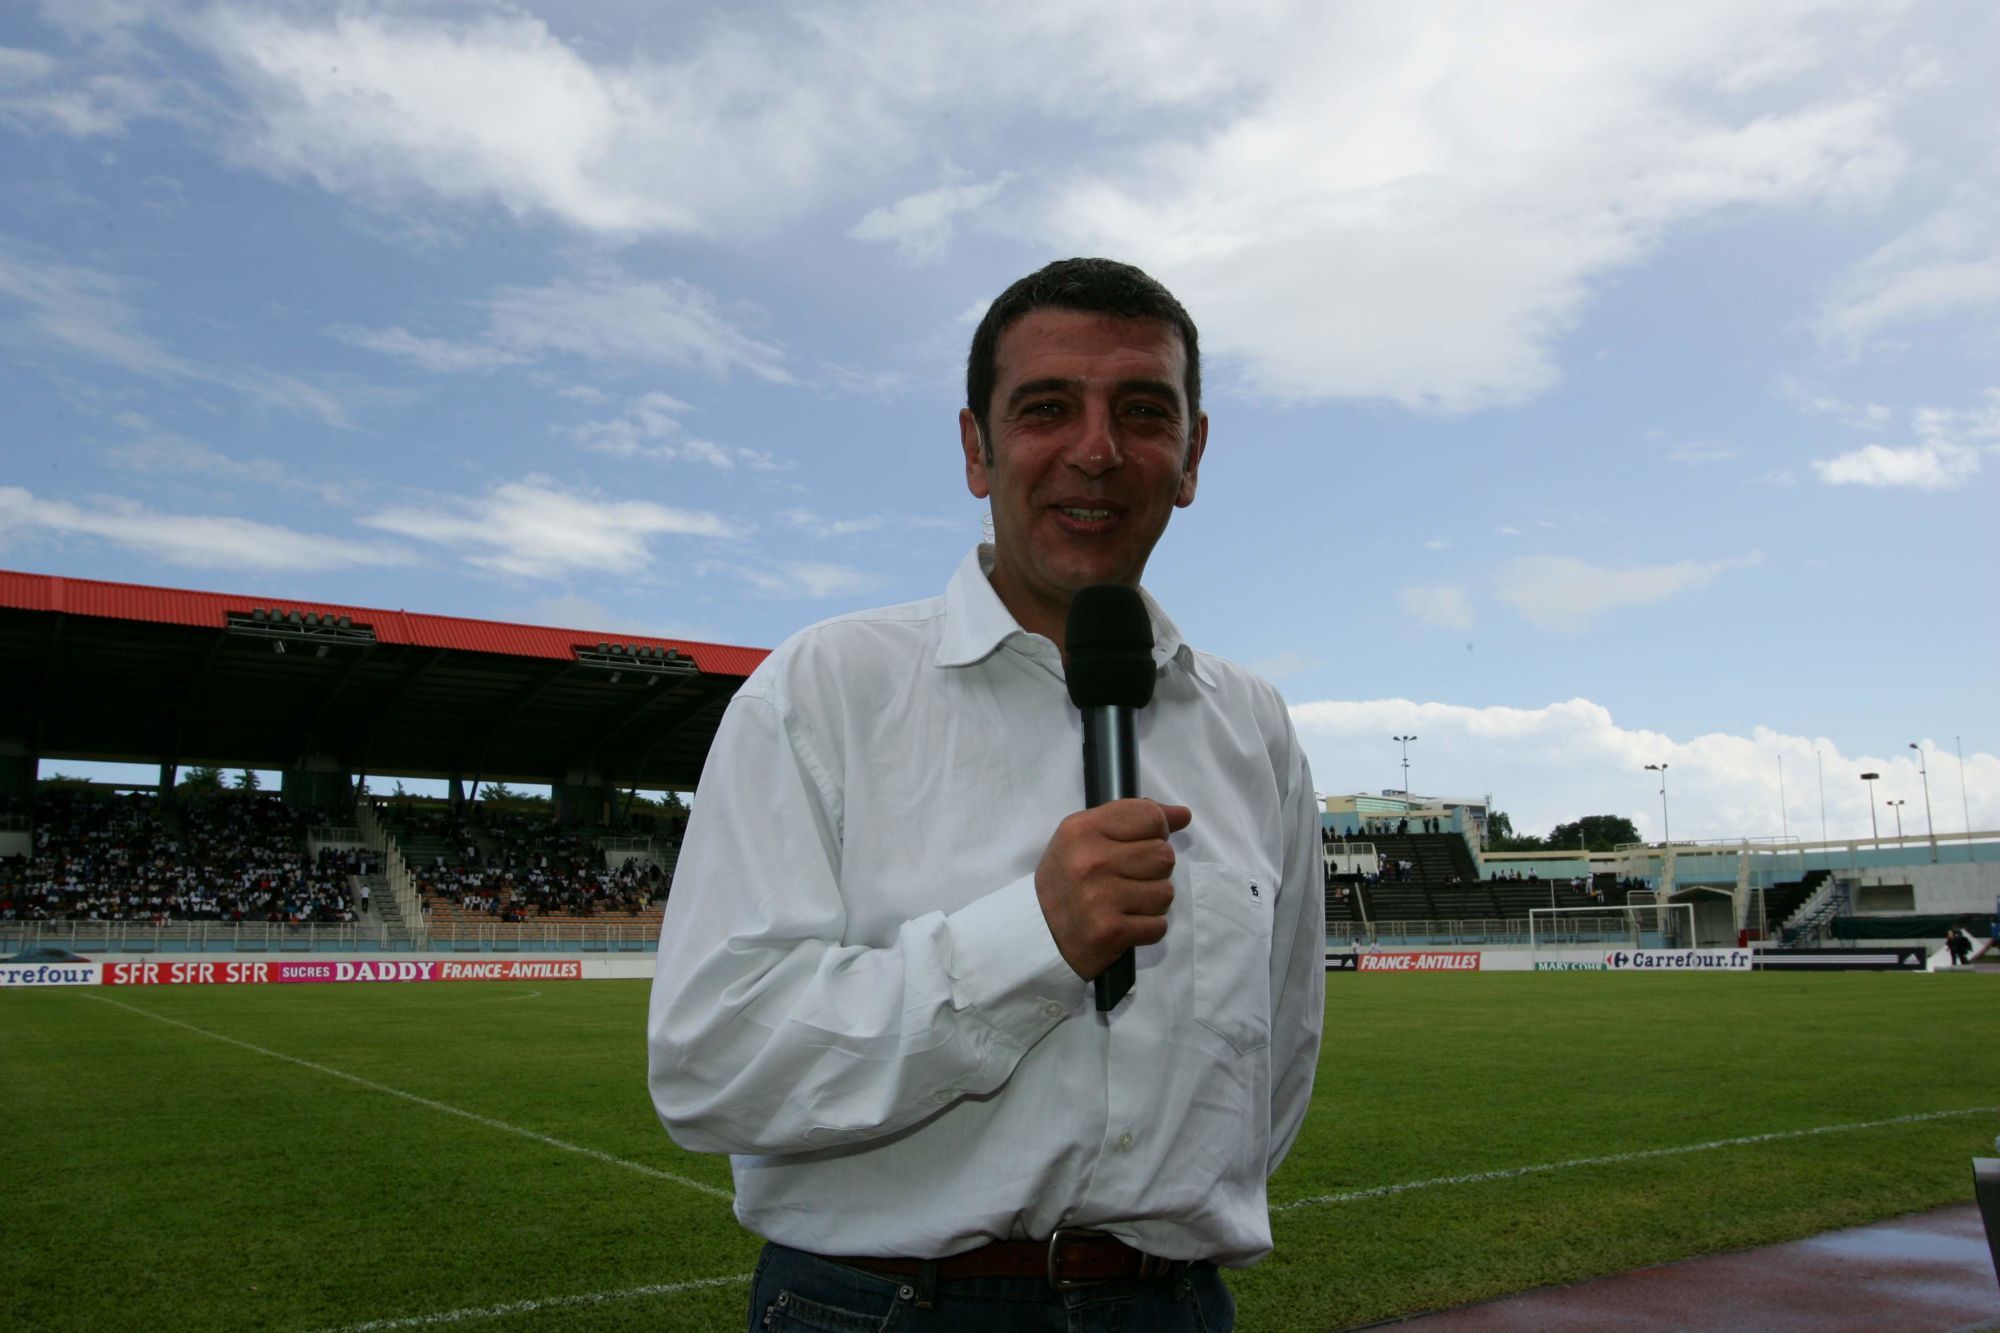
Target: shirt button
1125,1141
1053,1008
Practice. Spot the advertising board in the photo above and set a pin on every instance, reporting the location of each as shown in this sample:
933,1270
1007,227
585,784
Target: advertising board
51,973
1425,960
1678,960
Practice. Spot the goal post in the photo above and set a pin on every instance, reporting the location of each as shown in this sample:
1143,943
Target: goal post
1636,925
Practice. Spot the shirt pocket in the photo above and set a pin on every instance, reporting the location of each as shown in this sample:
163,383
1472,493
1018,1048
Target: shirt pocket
1232,954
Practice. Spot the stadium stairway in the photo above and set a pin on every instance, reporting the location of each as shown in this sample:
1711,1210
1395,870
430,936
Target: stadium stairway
1781,901
382,902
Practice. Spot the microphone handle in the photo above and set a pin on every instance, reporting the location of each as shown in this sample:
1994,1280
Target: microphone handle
1111,773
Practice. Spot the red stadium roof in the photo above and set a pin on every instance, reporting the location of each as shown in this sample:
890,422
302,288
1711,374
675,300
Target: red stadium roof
208,610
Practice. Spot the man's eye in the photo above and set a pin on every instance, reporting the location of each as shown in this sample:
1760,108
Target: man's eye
1048,409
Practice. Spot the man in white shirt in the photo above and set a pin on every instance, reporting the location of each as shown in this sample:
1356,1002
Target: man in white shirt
874,973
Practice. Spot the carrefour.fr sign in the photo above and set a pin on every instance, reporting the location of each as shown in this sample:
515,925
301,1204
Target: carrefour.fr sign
1678,960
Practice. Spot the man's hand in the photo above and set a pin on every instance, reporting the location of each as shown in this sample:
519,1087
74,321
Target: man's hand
1104,880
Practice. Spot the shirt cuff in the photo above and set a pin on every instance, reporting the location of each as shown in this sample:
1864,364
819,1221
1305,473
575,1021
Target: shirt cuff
1006,967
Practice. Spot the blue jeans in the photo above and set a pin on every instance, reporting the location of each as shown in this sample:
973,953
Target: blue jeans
796,1290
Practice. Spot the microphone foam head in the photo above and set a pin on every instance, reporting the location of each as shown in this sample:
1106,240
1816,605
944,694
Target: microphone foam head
1109,639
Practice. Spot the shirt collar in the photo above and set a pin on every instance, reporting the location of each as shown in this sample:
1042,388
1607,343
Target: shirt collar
977,622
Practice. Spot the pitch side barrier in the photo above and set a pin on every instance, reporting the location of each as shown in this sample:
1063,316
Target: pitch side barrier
1658,961
394,971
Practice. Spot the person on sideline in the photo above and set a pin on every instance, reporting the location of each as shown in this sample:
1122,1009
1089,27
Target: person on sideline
873,985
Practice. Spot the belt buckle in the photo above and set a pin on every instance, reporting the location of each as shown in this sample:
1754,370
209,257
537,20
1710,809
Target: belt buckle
1056,1279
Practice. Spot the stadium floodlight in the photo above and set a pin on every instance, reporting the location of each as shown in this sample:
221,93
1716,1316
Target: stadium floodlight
1666,826
1874,829
1404,741
1924,772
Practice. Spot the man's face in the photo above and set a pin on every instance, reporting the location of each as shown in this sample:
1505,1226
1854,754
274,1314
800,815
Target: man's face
1092,451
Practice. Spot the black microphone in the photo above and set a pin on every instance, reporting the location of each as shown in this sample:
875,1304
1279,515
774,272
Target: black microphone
1109,640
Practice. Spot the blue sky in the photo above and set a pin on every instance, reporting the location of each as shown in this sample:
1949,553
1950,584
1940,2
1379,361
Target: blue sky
1589,387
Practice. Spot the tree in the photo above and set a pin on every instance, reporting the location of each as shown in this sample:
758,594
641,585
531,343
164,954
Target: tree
248,780
1500,835
499,791
1598,833
202,778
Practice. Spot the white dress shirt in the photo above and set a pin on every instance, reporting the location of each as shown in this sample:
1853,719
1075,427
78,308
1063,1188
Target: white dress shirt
857,994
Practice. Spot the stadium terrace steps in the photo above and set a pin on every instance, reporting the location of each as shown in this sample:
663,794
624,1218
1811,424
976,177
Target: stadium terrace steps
382,900
1781,901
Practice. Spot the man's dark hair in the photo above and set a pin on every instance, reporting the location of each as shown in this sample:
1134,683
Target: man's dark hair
1095,286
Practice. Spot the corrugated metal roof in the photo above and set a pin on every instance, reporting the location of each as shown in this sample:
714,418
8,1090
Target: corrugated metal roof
180,606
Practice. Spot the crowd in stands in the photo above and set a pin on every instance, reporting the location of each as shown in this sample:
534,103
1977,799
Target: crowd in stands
219,857
514,865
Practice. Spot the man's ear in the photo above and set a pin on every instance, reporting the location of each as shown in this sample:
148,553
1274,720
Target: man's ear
1191,470
975,454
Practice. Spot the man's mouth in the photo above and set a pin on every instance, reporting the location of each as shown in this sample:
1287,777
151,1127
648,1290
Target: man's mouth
1085,515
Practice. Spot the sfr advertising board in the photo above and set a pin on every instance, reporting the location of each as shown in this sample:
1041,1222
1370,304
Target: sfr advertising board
1466,960
1678,960
330,971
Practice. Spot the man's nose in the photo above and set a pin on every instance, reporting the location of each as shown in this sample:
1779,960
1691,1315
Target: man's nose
1095,450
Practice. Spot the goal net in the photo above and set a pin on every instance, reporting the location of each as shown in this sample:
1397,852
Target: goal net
1635,925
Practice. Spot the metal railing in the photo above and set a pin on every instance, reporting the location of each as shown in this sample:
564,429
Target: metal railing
192,936
1469,931
544,937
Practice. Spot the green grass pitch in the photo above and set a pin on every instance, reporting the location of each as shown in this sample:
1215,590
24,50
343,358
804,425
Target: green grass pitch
158,1177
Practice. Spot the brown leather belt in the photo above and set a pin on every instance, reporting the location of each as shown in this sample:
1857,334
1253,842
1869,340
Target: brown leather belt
1072,1257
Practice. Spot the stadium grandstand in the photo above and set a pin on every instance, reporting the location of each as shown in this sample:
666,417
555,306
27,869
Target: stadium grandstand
330,696
333,696
1409,871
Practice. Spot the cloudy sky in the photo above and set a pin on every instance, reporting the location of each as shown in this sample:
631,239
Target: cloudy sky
1592,385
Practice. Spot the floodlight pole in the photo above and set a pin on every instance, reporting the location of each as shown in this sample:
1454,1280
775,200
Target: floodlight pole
1873,827
1666,826
1820,765
1924,772
1897,806
1964,804
1405,742
1784,818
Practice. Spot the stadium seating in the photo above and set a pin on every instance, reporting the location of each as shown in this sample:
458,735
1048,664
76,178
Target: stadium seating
212,856
485,865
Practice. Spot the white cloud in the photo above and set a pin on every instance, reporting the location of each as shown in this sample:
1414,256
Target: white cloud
1551,764
1441,604
1416,211
1948,453
87,312
530,527
166,453
36,90
1927,467
1360,200
1946,265
1285,664
1563,593
1698,452
738,127
438,354
601,314
798,578
831,527
196,540
920,225
650,427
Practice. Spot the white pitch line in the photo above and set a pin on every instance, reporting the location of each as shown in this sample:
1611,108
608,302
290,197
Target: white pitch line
477,1119
1614,1159
534,1307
